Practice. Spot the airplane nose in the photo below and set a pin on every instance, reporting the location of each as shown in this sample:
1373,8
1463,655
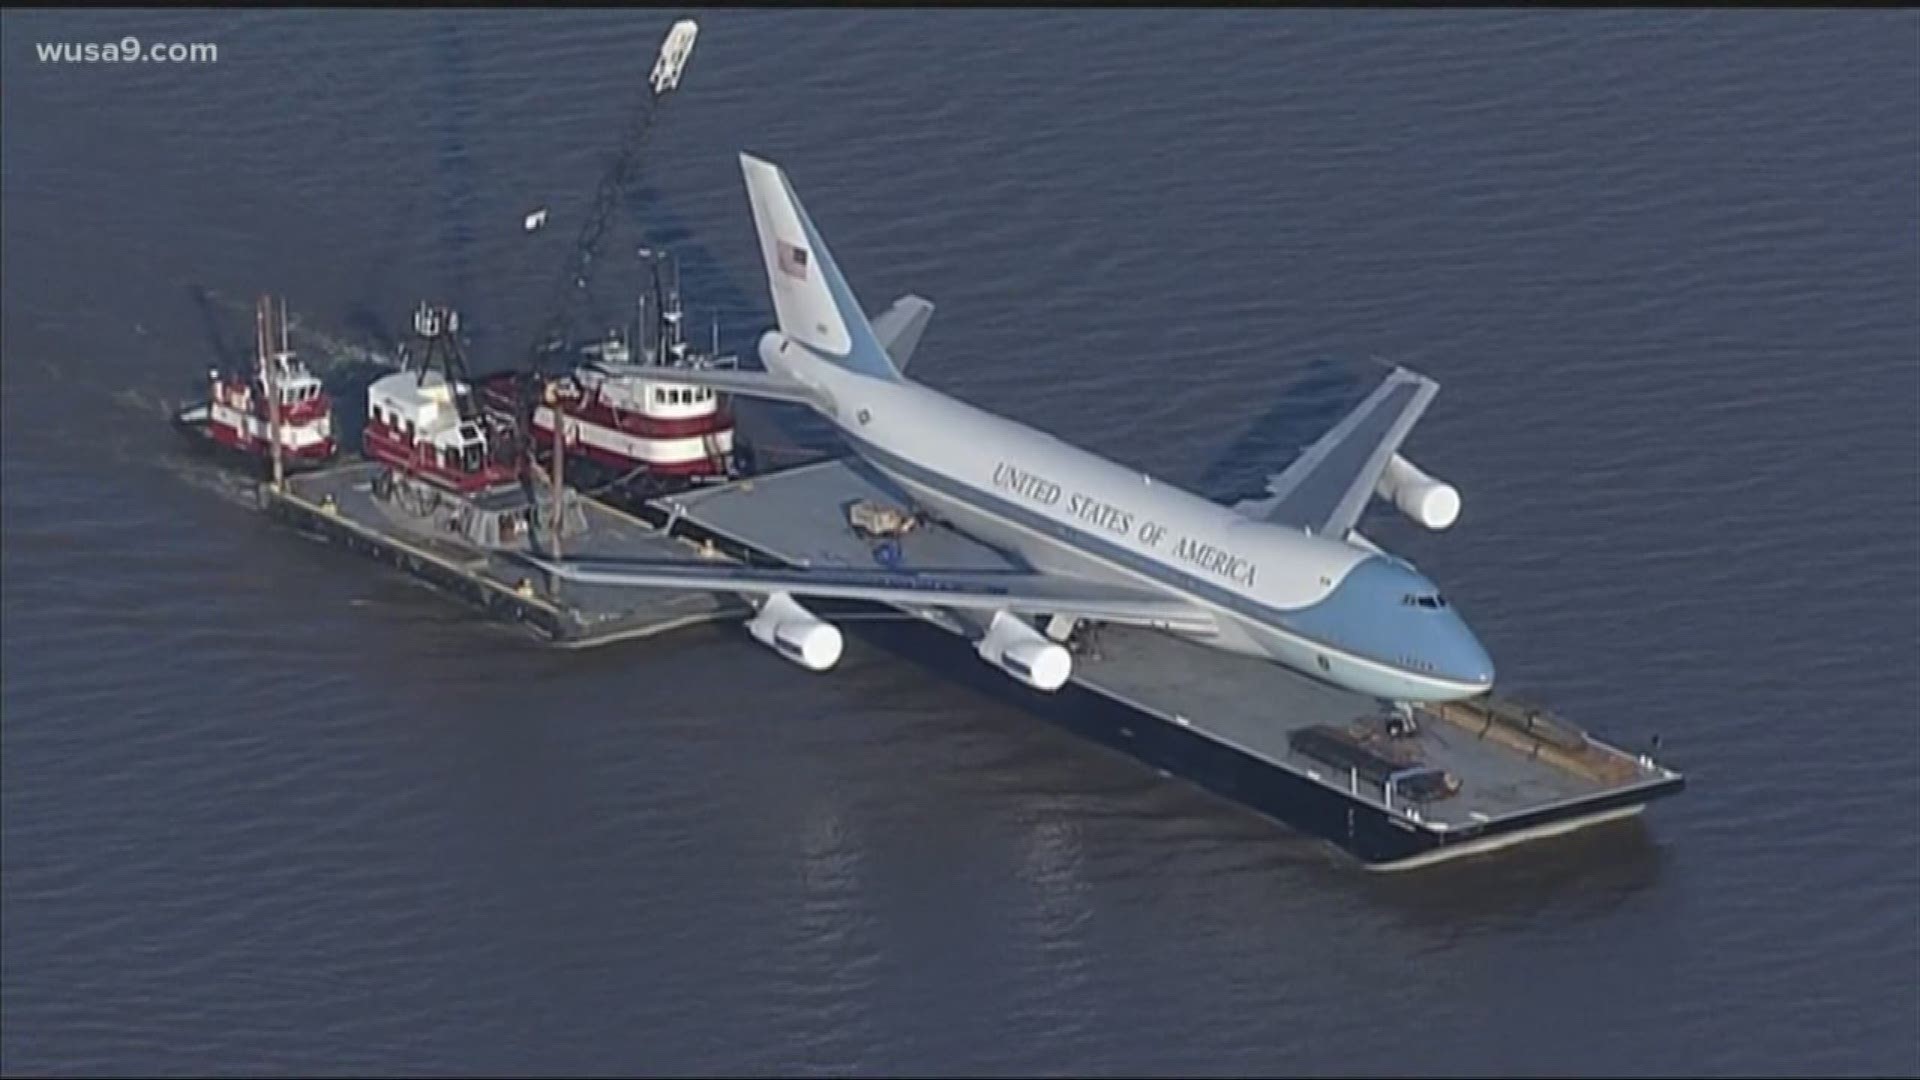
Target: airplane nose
1474,665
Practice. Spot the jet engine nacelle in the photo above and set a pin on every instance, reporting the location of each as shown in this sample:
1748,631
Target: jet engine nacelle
1025,653
1430,502
795,633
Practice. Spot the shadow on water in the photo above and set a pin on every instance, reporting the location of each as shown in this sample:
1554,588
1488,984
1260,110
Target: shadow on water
347,384
223,349
454,164
363,320
1303,411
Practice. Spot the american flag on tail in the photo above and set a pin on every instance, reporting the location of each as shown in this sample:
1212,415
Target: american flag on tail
793,259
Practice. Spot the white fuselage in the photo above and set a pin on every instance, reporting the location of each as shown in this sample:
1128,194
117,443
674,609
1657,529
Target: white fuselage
1070,511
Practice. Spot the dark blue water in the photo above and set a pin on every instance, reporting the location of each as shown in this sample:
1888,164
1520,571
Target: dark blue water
268,809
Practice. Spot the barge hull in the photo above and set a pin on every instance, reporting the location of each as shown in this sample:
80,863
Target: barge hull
1218,721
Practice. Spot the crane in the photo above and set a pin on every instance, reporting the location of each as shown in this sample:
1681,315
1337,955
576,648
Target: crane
665,77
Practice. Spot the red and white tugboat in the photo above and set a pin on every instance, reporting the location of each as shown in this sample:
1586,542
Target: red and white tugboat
626,420
423,423
243,408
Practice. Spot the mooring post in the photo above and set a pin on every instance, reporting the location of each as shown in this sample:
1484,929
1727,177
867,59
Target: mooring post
263,324
556,515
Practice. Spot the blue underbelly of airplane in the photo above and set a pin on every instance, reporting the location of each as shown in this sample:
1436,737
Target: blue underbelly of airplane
1245,626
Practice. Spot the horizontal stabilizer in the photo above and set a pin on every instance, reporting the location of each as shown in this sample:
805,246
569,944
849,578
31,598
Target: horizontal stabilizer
1017,591
899,328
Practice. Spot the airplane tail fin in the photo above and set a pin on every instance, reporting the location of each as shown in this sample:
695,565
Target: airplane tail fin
815,306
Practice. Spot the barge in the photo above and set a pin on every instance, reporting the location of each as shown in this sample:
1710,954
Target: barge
1394,791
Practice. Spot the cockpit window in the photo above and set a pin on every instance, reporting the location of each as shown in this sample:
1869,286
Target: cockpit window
1434,600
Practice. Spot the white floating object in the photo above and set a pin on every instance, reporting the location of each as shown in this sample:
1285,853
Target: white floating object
536,219
673,55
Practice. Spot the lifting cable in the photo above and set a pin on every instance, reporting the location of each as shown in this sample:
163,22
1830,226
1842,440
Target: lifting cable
606,202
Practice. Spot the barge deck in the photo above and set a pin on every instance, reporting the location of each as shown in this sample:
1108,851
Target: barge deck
339,505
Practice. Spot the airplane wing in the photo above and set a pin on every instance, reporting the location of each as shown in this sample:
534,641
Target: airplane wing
899,328
1018,591
1327,487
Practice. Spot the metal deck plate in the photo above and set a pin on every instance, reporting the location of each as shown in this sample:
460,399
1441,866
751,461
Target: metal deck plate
599,613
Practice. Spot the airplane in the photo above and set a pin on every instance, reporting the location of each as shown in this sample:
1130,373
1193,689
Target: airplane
1284,577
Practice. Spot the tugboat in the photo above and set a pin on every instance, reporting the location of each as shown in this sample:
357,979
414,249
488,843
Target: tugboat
627,423
243,408
424,424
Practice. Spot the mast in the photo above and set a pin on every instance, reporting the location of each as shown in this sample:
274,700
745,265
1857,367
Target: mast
263,319
559,468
